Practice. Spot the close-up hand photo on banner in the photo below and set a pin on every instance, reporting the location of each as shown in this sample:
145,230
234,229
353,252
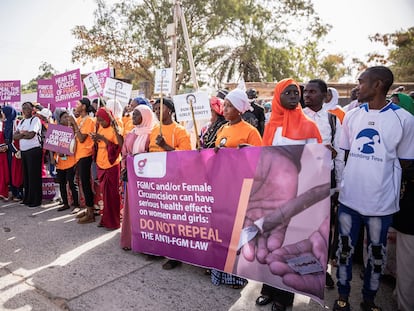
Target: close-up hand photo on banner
258,213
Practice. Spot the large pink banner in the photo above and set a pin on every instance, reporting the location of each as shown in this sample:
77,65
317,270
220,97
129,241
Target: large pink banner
10,91
67,87
45,92
242,211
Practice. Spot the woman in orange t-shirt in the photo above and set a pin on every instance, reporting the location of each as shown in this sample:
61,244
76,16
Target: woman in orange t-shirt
109,141
65,169
236,133
83,126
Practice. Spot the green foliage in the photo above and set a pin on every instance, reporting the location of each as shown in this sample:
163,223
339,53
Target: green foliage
230,39
46,72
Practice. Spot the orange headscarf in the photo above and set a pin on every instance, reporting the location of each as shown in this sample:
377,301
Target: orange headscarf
295,124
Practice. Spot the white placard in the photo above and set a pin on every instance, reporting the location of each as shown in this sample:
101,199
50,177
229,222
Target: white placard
92,85
116,89
166,76
201,106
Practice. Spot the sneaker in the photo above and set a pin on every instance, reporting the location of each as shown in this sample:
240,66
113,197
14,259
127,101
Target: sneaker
369,306
329,282
341,305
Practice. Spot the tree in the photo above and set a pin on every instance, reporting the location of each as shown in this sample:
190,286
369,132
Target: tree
131,36
400,55
46,72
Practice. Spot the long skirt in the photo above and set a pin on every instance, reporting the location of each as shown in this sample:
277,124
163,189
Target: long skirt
109,184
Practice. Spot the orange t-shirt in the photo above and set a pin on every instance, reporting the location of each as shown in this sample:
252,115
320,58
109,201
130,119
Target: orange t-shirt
86,125
63,163
231,136
174,134
102,160
128,126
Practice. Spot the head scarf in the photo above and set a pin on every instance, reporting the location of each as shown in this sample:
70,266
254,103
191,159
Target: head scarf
142,101
217,105
104,114
332,105
239,100
295,125
10,113
334,100
167,102
406,102
115,107
143,130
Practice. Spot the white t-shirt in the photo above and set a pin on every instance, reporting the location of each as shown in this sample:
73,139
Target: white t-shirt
32,124
376,139
321,119
279,140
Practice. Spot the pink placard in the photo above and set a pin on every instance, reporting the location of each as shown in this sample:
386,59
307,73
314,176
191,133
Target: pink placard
10,91
45,92
67,87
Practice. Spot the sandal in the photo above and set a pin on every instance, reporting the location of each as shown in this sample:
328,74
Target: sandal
126,248
263,300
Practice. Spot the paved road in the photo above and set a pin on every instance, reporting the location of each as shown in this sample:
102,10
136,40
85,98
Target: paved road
49,262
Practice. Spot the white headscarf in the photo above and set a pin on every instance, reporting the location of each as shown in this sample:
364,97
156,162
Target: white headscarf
334,100
115,107
143,130
239,100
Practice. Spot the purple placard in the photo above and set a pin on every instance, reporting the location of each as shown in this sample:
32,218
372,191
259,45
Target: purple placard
10,91
48,188
67,87
59,138
45,94
194,206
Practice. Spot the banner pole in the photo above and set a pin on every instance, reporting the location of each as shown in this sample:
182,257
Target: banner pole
195,124
161,103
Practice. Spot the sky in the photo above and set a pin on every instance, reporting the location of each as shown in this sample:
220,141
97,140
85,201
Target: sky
39,31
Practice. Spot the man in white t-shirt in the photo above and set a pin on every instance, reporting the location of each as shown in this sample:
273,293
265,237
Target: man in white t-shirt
378,139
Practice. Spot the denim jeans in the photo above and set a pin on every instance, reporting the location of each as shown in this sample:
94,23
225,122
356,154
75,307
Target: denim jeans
349,222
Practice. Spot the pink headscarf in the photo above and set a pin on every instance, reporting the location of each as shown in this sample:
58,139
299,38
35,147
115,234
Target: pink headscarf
143,130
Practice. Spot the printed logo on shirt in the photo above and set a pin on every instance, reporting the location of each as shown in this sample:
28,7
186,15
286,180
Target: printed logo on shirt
367,140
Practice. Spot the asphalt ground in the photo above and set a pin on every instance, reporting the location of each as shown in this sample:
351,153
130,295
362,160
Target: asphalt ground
49,262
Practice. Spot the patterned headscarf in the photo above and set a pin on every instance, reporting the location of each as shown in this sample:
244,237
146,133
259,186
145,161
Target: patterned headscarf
295,124
217,105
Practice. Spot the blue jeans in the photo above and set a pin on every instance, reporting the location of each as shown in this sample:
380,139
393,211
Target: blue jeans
349,222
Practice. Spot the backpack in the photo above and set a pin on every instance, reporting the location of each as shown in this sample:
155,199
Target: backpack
40,135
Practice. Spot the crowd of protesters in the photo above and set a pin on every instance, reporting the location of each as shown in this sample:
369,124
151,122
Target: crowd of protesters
364,194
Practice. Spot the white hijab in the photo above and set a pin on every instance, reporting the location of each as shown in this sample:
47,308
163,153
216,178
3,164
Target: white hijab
239,100
334,100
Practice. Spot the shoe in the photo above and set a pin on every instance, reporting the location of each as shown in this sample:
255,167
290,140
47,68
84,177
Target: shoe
63,207
33,206
80,214
100,225
76,210
263,300
329,282
277,306
171,264
88,218
341,305
369,306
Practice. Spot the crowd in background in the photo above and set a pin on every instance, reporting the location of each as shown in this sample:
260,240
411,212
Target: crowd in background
105,134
